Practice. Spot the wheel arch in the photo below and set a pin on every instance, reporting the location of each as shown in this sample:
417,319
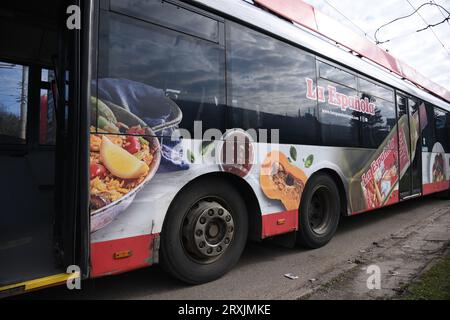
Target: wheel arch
249,197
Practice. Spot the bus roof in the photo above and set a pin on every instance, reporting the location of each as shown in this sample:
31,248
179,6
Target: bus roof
315,27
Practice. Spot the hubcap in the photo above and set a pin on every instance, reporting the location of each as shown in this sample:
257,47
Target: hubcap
319,213
208,230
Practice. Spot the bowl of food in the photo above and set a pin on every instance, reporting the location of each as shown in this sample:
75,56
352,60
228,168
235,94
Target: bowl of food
124,157
437,163
236,153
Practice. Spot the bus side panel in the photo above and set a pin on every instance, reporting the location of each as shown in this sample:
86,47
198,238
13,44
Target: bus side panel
435,149
125,238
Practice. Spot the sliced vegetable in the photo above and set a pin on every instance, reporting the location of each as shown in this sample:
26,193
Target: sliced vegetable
97,170
132,144
99,108
106,125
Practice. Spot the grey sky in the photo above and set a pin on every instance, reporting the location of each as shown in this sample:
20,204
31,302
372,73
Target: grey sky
420,50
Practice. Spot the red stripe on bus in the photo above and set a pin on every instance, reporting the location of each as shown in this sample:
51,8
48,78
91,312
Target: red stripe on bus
430,188
309,17
394,198
104,263
279,223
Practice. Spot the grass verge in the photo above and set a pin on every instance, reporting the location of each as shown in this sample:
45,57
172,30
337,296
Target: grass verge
434,284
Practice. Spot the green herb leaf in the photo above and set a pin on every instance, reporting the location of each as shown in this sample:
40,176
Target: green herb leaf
309,161
293,153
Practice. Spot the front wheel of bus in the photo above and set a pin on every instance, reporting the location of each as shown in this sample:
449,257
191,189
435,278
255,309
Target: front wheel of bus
205,232
319,212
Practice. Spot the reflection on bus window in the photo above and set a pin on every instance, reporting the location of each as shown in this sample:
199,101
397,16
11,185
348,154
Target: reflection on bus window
47,116
267,83
337,75
333,119
13,103
190,71
170,15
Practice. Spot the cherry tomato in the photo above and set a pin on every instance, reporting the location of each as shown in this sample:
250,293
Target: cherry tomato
137,130
97,170
132,144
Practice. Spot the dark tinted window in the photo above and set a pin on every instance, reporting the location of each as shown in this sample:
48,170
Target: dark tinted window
339,127
442,124
268,86
170,15
13,103
428,131
337,75
143,61
375,128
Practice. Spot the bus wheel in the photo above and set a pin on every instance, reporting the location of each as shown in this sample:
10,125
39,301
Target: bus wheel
319,212
205,232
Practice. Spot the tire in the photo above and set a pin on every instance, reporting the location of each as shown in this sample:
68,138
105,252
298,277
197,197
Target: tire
181,253
319,212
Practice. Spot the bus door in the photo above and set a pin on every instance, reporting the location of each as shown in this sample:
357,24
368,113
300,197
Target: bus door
409,150
39,146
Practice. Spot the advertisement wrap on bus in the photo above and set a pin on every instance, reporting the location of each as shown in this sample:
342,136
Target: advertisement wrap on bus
132,166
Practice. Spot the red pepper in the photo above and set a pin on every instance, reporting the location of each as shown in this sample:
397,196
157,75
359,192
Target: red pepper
132,144
97,170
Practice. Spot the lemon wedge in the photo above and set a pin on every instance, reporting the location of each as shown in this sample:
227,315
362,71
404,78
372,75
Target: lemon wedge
120,162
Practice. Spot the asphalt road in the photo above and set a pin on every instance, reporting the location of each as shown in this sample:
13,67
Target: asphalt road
259,275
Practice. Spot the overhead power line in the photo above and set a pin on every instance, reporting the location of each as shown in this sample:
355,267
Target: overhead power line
430,26
441,11
411,14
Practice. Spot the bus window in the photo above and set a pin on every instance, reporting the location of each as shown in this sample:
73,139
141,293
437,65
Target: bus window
428,132
334,119
376,127
442,123
268,88
13,103
170,15
139,58
376,90
337,75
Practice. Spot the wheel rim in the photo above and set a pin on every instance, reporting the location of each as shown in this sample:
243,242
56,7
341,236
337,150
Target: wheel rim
320,210
207,230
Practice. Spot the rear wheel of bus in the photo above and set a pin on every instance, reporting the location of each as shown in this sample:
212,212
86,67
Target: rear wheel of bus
205,231
319,212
